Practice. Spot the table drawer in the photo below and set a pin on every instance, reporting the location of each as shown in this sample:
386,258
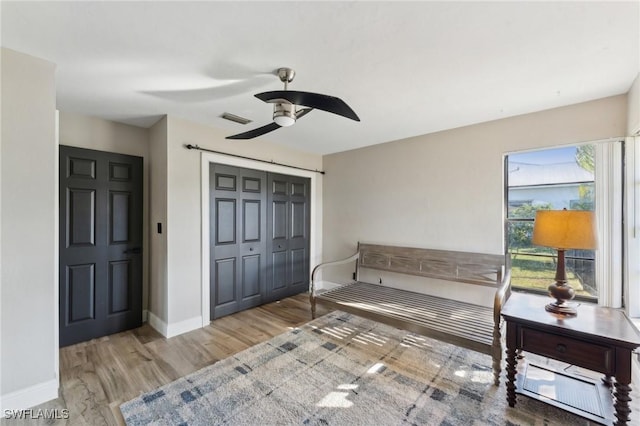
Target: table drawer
573,351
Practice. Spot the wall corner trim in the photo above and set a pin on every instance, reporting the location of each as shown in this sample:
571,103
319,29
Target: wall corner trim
30,396
157,324
174,329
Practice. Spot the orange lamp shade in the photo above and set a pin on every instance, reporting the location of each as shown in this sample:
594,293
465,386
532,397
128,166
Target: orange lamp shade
565,229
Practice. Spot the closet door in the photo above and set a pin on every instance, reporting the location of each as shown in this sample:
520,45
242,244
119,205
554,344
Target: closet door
288,235
237,238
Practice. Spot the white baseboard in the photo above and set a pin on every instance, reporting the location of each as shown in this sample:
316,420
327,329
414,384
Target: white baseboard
145,315
157,324
30,396
174,329
181,327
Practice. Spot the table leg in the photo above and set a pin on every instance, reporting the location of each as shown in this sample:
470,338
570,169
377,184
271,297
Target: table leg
511,364
622,403
622,388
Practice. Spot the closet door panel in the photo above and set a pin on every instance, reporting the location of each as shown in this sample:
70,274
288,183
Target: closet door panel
238,266
288,235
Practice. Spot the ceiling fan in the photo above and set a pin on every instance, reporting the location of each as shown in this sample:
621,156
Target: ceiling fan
285,111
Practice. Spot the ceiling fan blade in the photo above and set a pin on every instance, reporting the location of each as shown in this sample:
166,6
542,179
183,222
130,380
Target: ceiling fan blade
301,113
313,100
255,132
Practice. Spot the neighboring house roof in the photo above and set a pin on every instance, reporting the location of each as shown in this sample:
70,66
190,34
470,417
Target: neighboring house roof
525,174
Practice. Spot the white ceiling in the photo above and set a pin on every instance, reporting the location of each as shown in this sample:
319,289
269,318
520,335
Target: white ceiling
406,68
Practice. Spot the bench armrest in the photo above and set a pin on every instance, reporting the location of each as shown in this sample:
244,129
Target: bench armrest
502,294
351,258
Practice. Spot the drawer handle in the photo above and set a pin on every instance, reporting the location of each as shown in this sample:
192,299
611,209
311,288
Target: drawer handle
561,348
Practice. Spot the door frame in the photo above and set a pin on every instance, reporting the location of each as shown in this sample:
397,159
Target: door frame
315,250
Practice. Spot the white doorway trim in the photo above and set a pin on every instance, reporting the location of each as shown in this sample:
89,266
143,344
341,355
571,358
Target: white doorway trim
207,158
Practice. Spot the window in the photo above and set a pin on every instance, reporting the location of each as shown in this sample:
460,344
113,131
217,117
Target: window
632,227
550,179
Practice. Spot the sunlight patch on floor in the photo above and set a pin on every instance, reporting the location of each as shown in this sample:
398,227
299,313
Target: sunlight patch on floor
335,400
476,376
415,341
338,399
482,377
347,387
337,332
375,368
366,338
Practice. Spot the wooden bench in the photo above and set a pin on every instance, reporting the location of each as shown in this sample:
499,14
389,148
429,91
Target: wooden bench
460,323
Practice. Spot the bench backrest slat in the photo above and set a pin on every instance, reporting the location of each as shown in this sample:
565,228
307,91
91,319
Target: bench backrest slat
472,268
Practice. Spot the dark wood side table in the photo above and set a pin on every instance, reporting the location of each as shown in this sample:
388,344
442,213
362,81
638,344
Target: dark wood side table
597,339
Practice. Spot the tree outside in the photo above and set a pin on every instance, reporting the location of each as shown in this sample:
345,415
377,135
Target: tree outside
520,233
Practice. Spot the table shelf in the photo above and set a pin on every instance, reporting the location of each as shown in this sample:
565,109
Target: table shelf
587,398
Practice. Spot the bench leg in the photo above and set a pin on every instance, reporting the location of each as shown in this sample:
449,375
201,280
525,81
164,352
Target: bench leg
496,354
312,301
497,358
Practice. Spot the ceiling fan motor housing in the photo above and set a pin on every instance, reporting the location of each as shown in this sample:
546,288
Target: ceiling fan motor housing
284,114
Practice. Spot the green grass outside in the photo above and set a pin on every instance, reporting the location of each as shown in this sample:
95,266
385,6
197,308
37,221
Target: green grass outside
538,273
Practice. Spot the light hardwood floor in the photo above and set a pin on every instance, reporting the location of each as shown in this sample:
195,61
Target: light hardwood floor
97,376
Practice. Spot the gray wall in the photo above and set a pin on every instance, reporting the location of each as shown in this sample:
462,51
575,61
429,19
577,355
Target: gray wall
445,190
29,323
158,303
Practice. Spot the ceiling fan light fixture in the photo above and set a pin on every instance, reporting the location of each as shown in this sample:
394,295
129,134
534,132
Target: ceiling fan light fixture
284,114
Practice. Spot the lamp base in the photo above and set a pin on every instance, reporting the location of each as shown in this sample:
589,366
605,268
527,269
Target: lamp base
561,309
562,292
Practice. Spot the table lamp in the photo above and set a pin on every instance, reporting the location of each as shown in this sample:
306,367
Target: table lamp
564,230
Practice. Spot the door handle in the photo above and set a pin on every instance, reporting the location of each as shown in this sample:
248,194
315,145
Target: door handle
135,250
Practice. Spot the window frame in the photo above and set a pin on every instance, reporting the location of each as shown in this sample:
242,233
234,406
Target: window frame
610,172
632,227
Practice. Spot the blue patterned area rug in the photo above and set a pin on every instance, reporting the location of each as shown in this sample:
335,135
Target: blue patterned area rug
341,369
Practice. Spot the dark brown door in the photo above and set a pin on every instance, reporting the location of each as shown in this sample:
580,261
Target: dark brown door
100,244
237,238
288,240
